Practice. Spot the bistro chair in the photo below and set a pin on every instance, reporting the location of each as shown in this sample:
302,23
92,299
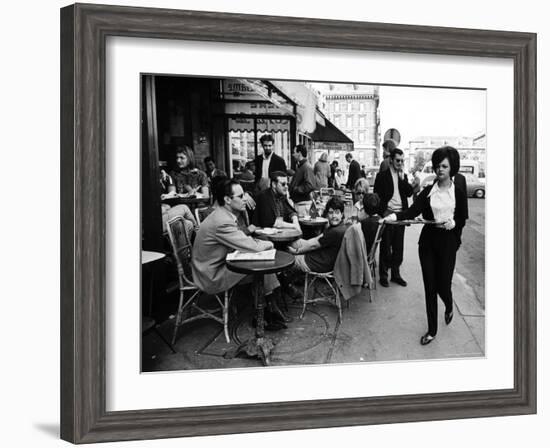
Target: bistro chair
202,212
189,308
332,297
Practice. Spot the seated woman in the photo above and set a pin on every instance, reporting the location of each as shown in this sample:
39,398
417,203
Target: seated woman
360,189
169,212
186,177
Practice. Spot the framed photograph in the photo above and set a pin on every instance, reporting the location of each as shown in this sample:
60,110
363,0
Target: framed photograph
161,108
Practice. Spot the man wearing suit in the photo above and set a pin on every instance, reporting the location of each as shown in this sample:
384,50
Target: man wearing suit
354,172
393,189
267,162
218,235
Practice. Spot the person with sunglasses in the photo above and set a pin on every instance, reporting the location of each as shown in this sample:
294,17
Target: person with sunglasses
273,208
393,188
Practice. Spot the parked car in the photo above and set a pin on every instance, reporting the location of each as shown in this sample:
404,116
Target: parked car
474,185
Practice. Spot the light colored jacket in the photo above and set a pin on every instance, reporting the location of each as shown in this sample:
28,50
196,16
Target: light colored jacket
321,170
351,269
219,235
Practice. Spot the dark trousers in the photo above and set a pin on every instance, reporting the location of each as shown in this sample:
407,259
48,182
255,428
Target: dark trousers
437,254
391,250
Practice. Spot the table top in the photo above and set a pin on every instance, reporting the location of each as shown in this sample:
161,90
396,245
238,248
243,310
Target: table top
317,222
283,260
189,200
148,256
406,222
282,235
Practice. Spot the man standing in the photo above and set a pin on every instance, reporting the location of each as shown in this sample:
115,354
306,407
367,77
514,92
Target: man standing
272,206
303,181
354,171
393,189
268,162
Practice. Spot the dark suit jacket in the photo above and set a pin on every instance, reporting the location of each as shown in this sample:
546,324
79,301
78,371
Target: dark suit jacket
383,186
265,212
354,173
460,181
277,163
422,205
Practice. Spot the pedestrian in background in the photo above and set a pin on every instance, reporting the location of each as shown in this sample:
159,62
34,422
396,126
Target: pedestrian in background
321,169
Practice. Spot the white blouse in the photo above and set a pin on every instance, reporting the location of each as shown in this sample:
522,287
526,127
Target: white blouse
442,202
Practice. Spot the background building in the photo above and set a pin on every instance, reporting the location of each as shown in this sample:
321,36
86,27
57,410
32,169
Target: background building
353,108
420,149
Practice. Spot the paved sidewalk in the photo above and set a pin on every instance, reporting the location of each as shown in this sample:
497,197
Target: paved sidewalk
387,329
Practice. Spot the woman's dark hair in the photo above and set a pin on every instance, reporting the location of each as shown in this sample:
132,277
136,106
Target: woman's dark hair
371,203
449,153
335,203
189,153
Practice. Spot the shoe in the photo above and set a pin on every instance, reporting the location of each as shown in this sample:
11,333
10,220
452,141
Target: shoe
384,282
449,317
426,339
399,281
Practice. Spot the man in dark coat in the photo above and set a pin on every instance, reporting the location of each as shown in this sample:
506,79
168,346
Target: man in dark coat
272,206
267,162
393,188
303,181
354,171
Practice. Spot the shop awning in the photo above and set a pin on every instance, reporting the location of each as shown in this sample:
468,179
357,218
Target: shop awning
330,138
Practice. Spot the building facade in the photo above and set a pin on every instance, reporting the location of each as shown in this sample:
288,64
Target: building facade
353,108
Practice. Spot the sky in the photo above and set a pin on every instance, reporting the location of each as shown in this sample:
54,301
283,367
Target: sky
430,111
426,111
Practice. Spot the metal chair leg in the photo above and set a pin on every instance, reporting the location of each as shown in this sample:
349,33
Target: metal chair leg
305,297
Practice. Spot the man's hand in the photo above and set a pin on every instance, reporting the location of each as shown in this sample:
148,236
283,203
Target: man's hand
392,217
252,228
249,202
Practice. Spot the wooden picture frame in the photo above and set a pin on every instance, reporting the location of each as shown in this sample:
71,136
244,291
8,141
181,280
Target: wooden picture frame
84,29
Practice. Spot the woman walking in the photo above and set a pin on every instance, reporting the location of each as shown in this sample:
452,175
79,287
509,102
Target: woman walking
446,203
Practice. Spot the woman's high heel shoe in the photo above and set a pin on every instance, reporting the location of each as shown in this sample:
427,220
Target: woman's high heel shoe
448,317
426,339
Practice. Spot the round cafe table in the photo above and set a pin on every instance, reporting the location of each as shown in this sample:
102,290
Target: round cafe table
281,237
260,346
313,226
191,201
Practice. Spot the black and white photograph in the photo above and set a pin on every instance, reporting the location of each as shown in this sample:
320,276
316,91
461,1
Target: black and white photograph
296,223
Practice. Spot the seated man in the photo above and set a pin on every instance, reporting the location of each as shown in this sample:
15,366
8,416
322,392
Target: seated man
369,225
218,235
272,206
318,254
211,170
